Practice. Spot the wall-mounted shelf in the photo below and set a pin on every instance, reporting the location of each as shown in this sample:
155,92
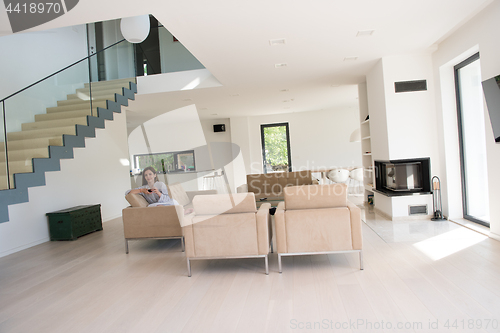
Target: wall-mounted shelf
366,144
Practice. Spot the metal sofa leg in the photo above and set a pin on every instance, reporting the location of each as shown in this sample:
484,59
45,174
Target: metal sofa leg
182,244
272,250
126,246
279,262
189,267
361,267
267,265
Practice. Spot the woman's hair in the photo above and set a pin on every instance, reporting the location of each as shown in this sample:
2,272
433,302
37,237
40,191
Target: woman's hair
150,168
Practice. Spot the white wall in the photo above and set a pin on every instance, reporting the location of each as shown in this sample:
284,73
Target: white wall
403,125
186,80
318,139
181,130
213,137
377,110
479,34
98,174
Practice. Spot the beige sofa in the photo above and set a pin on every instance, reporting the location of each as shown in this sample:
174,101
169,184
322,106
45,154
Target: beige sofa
227,226
160,222
269,186
317,219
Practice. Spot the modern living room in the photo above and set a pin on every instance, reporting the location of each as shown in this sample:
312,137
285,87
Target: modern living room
418,274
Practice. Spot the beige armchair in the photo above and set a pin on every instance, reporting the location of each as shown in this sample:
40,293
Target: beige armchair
160,222
225,226
317,219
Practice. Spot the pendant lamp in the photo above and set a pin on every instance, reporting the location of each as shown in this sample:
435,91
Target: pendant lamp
135,29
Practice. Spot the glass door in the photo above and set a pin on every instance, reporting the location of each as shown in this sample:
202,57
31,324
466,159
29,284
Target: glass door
471,127
276,147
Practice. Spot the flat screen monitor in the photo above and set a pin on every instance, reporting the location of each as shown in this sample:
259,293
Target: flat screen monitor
491,89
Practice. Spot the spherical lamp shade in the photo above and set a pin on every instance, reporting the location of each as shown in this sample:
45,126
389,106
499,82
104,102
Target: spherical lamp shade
135,29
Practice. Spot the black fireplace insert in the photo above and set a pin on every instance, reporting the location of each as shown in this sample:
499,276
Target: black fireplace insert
403,177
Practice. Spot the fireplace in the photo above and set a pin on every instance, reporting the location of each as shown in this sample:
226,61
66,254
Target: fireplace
403,177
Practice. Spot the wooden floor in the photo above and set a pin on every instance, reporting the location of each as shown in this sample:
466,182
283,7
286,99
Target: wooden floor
91,285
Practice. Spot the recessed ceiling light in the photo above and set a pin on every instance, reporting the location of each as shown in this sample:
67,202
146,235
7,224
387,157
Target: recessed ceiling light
213,114
284,90
274,42
280,65
351,58
365,33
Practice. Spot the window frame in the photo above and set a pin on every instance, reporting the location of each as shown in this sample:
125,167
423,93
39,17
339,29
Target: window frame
176,166
263,144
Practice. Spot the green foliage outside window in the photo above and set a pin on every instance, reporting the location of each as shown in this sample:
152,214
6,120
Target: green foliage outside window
275,143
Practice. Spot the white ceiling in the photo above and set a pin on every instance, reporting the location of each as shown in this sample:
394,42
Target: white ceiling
231,39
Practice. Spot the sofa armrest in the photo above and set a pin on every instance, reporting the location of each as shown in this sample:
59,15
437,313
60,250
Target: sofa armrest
242,189
279,221
187,232
356,232
192,194
263,222
159,221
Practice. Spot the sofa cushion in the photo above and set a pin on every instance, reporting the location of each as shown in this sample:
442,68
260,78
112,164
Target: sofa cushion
317,230
216,204
225,235
177,192
315,196
136,200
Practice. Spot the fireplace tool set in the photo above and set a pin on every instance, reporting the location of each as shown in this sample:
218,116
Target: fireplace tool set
436,200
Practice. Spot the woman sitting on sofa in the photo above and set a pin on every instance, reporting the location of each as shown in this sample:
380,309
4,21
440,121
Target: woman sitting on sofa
155,192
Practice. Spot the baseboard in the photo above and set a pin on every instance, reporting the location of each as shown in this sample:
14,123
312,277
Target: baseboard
495,236
23,247
111,218
403,218
412,217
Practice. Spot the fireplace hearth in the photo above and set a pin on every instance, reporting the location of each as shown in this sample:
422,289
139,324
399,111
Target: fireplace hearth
403,177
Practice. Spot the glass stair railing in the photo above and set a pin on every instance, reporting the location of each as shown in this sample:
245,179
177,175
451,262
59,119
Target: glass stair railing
42,123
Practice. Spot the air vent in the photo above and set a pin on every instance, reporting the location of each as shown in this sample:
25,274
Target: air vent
280,65
274,42
417,210
351,58
365,33
407,86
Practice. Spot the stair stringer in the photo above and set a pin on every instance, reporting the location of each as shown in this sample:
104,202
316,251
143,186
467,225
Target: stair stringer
23,181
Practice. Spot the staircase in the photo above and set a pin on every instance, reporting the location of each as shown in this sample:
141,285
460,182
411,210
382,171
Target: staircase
40,145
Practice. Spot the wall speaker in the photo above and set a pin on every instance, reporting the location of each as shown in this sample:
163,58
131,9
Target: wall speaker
219,128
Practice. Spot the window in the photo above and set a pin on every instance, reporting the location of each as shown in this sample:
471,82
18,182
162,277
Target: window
276,147
471,128
167,162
